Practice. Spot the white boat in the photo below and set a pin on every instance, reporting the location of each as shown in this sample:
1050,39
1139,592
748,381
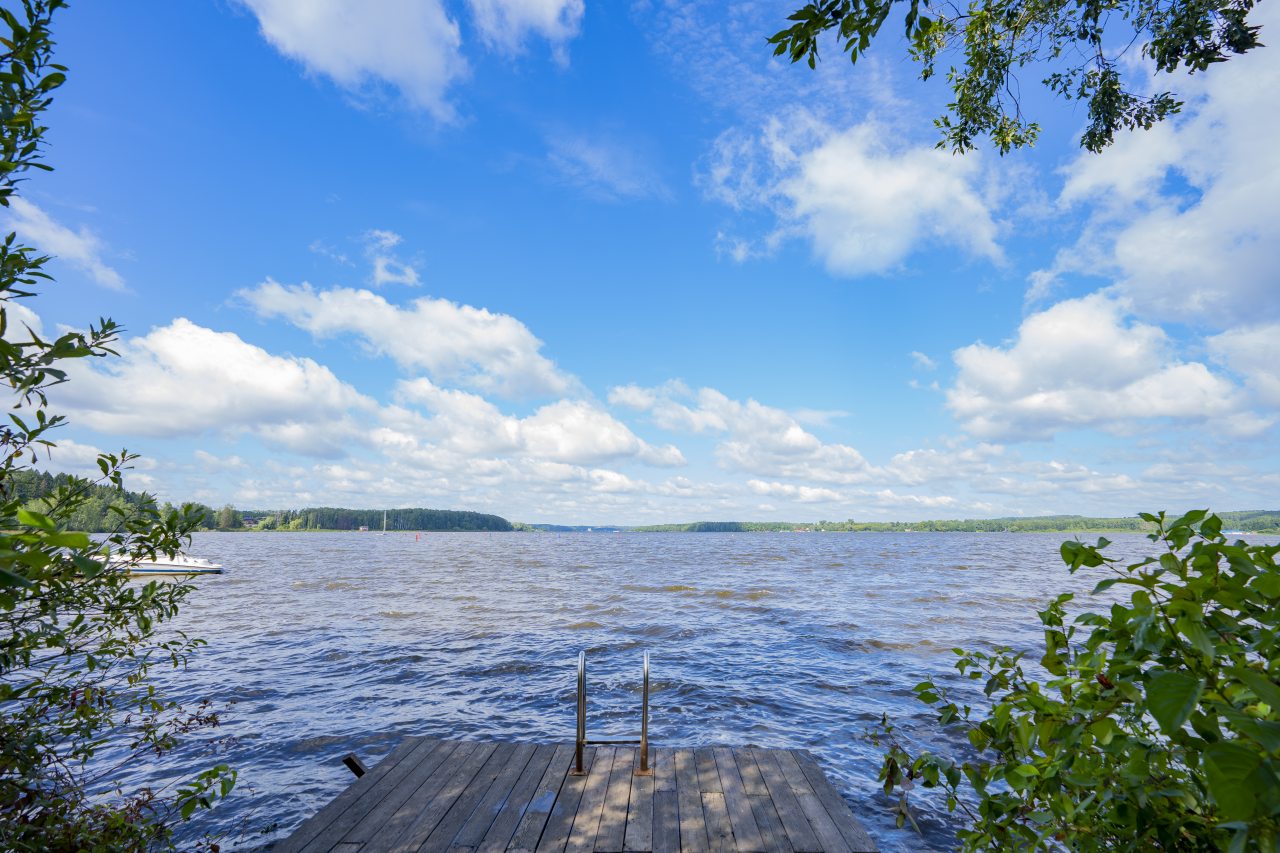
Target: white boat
179,564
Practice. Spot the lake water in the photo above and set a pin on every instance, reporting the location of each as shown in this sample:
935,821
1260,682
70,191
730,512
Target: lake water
328,643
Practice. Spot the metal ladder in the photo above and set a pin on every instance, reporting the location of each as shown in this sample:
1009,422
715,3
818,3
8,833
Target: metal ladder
581,741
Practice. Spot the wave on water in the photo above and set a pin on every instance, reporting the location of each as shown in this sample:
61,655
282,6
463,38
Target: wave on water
803,647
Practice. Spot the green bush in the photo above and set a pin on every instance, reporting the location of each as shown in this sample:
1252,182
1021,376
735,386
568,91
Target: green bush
1156,723
77,638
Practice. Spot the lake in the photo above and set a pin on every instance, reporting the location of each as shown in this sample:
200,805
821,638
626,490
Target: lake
325,643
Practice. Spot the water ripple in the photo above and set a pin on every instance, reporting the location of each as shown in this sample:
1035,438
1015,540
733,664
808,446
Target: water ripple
322,644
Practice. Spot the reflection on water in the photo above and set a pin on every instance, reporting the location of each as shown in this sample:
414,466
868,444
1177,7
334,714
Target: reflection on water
331,643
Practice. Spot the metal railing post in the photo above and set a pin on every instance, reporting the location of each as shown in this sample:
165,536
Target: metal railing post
644,721
582,714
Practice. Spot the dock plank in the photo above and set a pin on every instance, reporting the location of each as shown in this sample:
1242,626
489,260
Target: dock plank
493,797
316,825
836,807
639,834
559,824
693,825
582,837
414,820
746,835
523,796
440,839
359,824
719,830
617,801
829,837
799,831
486,811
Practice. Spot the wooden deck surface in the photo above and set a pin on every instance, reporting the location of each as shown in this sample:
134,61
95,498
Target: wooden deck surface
486,797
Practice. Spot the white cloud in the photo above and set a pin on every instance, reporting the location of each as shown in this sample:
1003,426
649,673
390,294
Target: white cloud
923,361
495,353
506,23
183,379
387,268
863,205
603,169
755,438
1185,218
1081,363
574,432
410,45
82,249
801,494
1254,353
18,320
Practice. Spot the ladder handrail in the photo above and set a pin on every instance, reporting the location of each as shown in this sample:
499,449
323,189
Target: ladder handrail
580,742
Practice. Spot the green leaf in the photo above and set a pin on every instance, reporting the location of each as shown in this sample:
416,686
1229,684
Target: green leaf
1263,687
1171,697
35,519
1228,768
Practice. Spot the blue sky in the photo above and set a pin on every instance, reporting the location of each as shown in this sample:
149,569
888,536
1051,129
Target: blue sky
609,263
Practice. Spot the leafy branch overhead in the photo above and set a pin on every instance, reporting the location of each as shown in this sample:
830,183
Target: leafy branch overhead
1080,43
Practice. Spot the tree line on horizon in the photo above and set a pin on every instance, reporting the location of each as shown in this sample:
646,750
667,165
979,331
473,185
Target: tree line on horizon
105,506
1245,521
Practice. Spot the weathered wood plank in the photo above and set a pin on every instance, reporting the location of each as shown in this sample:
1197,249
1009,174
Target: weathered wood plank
693,825
639,817
356,823
836,807
799,832
582,838
666,822
719,830
829,836
708,773
664,769
439,839
771,829
746,835
525,795
486,811
419,814
375,820
556,826
752,781
473,797
617,799
316,825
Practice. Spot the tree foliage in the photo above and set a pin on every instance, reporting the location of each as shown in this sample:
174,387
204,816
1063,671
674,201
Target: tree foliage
77,638
1157,725
1082,43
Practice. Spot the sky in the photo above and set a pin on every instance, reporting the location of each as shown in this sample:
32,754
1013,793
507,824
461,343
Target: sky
613,263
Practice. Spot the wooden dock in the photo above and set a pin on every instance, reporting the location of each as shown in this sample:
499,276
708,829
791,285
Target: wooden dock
486,797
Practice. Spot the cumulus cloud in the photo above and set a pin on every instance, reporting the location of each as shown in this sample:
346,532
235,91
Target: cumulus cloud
506,23
1082,363
1253,352
754,438
82,249
800,494
576,432
183,379
1185,218
412,46
494,353
863,204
